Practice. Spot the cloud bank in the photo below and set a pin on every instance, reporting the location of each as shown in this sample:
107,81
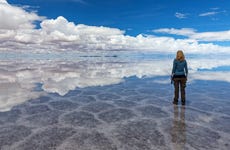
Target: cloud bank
18,33
192,34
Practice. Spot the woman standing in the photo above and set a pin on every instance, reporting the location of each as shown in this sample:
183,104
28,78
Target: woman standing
180,74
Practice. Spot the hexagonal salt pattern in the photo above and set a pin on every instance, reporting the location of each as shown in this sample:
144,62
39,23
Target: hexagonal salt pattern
137,114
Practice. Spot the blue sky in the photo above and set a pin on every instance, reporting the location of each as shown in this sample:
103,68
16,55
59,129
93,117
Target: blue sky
138,16
196,26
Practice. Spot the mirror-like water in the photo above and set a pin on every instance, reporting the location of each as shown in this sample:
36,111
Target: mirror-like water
112,102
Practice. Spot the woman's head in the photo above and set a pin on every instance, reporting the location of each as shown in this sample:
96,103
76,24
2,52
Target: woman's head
180,55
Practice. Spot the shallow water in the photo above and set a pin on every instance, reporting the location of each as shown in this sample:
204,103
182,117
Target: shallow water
109,103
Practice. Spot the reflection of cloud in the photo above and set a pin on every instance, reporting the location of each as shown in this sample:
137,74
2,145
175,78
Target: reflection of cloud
217,76
19,78
64,86
15,93
207,63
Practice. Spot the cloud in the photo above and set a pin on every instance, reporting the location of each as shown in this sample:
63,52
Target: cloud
212,36
180,15
211,13
16,18
215,8
3,2
183,31
199,36
75,1
69,28
80,1
18,34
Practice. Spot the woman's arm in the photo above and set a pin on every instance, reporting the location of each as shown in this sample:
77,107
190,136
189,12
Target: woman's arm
174,67
186,68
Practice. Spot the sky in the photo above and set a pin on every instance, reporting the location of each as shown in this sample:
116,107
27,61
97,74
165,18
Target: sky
195,26
138,16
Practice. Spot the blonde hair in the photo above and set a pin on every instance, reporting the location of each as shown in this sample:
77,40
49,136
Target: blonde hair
180,55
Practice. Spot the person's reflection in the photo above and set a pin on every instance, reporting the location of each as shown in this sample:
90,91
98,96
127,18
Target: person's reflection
178,131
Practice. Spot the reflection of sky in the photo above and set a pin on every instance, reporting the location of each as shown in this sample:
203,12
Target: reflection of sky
60,73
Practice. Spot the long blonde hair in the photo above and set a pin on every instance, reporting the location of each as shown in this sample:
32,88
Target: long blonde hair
180,55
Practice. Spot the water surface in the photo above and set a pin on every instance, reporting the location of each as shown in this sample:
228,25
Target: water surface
112,102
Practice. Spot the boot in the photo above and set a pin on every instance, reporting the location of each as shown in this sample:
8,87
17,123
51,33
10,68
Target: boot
175,102
183,102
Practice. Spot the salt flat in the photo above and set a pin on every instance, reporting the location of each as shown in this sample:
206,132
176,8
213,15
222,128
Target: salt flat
135,114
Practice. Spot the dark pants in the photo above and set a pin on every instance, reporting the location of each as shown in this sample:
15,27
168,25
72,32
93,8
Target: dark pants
179,83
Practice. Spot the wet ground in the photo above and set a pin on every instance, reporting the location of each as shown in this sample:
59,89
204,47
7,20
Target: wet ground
136,114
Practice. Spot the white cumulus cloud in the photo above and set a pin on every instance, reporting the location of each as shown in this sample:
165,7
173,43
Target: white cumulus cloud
15,18
199,36
18,33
